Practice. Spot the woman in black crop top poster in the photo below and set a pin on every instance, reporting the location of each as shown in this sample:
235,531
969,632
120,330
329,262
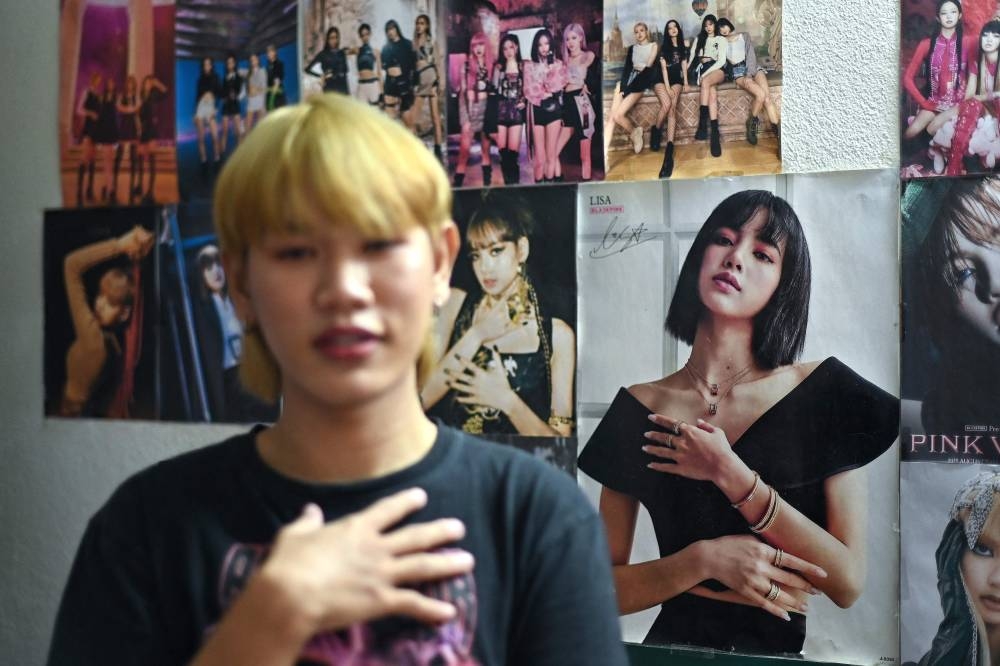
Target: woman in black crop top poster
506,337
750,455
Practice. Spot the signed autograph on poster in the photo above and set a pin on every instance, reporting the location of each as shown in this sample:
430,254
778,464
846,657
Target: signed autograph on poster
618,238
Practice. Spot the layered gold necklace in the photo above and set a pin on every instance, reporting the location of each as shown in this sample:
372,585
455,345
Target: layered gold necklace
715,389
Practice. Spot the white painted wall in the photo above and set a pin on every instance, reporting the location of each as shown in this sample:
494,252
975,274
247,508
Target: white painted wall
839,113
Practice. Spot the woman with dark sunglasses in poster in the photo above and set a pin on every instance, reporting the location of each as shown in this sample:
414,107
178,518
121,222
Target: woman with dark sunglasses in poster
749,462
506,365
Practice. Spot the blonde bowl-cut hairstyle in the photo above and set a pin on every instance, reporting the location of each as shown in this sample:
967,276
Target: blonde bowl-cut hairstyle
329,161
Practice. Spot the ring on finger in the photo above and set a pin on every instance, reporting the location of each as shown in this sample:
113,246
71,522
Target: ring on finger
773,593
670,442
778,554
678,426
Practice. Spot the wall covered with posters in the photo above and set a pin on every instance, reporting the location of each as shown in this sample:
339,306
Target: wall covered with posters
839,110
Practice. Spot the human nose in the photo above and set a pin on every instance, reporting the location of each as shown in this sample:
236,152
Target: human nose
993,577
344,282
734,258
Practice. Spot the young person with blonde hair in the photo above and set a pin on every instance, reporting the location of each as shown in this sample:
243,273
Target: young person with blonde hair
355,529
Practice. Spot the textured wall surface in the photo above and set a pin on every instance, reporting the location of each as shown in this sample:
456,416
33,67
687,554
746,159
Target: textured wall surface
841,83
839,100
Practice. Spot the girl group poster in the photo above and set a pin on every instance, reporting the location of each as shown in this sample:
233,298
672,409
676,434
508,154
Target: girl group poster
721,362
950,427
950,364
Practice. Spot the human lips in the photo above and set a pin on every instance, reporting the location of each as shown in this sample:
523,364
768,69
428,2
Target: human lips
346,342
726,281
990,602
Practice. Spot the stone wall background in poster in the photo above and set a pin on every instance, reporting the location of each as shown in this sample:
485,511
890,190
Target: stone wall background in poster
762,21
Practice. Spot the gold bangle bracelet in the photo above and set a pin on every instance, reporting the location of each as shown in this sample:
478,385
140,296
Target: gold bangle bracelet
753,491
773,509
771,502
560,421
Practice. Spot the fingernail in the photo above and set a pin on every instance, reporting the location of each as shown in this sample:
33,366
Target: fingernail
645,448
462,557
804,607
786,617
822,573
651,417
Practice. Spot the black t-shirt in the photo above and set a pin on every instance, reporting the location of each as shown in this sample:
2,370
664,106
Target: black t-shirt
171,550
832,422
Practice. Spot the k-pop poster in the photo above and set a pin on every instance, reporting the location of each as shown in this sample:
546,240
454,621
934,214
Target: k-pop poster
201,333
692,89
388,54
116,102
738,410
950,366
949,532
949,99
235,64
505,338
523,87
100,312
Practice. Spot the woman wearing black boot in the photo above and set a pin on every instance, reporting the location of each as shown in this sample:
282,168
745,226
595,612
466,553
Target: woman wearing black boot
473,95
87,109
150,94
508,86
107,138
741,68
707,59
128,132
674,54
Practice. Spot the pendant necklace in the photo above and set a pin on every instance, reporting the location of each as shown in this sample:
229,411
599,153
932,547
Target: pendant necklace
713,388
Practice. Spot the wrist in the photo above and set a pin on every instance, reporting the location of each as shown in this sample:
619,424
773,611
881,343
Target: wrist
701,556
734,479
274,604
